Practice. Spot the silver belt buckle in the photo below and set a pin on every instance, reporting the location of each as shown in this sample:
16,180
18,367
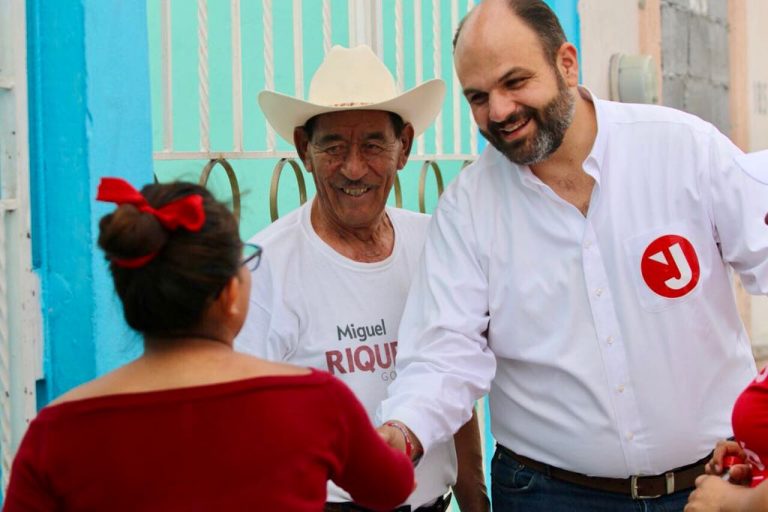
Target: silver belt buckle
633,487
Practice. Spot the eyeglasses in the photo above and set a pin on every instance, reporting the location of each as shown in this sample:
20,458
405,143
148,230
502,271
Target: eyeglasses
251,256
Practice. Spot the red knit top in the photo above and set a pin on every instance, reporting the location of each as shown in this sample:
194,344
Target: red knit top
750,425
266,443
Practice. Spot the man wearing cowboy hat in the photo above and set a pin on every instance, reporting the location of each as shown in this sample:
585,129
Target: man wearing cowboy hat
333,281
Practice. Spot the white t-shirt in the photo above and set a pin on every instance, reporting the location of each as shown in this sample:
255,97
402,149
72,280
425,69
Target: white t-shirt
611,343
311,306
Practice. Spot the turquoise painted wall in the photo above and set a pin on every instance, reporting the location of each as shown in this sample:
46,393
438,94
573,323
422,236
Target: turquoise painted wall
254,176
568,14
88,118
92,65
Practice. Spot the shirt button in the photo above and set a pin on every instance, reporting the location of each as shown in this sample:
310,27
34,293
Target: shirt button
609,340
599,292
630,436
620,388
587,244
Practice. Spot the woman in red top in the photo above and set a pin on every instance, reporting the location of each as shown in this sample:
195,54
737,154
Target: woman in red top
742,461
192,425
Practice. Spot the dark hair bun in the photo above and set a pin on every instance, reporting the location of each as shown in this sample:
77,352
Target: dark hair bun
130,233
168,295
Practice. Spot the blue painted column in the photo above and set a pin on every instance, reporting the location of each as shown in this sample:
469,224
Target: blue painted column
89,117
117,64
568,14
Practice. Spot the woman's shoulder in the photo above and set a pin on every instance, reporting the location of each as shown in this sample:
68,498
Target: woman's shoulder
245,366
108,384
280,374
238,370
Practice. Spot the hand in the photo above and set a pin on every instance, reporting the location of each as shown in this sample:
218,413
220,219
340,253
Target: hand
392,437
396,438
713,494
738,473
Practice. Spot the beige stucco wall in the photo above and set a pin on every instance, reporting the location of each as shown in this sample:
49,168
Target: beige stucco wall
757,131
737,41
607,27
649,34
737,58
757,74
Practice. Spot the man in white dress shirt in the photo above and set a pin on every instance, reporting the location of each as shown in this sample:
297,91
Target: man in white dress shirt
580,271
335,273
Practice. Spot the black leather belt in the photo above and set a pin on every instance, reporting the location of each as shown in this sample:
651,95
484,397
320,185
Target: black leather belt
639,487
440,505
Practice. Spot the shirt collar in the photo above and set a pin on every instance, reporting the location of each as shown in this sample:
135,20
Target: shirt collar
594,161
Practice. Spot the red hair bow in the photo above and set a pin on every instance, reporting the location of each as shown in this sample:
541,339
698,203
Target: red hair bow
186,212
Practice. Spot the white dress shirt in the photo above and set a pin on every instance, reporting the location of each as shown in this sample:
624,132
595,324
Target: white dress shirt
611,344
756,165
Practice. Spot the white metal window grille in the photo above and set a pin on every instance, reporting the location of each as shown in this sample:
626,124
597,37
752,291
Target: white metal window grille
20,332
365,26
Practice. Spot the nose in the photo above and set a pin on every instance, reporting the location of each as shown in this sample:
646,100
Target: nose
499,107
355,165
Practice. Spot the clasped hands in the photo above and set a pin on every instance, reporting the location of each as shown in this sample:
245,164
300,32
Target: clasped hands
722,489
398,436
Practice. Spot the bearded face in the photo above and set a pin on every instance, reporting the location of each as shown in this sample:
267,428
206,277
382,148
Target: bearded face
550,122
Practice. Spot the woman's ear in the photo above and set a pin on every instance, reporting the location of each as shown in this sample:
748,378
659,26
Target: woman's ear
228,300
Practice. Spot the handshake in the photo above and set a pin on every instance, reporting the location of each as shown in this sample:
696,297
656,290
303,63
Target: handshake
398,436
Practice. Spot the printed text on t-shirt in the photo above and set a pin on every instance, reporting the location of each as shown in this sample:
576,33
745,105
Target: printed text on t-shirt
361,333
366,358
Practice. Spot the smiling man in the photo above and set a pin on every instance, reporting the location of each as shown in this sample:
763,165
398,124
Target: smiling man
580,270
335,272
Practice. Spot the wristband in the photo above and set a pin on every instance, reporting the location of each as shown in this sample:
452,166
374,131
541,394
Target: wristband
408,444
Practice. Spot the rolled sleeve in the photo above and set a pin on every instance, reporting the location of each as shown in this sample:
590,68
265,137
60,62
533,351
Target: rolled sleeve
443,362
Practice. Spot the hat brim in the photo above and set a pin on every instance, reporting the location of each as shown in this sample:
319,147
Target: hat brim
418,106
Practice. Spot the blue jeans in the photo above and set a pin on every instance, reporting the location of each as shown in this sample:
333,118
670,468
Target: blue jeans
515,487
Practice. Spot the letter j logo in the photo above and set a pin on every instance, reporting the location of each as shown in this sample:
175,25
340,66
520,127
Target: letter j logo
670,266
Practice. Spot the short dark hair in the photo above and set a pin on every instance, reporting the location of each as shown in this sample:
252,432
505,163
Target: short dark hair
169,294
397,124
540,18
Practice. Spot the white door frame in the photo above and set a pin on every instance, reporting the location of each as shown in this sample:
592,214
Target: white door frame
20,315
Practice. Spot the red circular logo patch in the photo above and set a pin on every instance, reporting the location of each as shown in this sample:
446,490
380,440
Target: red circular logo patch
670,266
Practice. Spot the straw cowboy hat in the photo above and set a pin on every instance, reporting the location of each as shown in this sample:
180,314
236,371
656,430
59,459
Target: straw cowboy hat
353,79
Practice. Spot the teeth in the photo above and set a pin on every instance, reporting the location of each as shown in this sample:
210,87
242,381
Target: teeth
356,192
510,129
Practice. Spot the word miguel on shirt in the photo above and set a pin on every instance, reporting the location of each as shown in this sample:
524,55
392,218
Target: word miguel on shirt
365,358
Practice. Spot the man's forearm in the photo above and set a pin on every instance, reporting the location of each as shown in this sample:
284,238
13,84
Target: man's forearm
470,489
